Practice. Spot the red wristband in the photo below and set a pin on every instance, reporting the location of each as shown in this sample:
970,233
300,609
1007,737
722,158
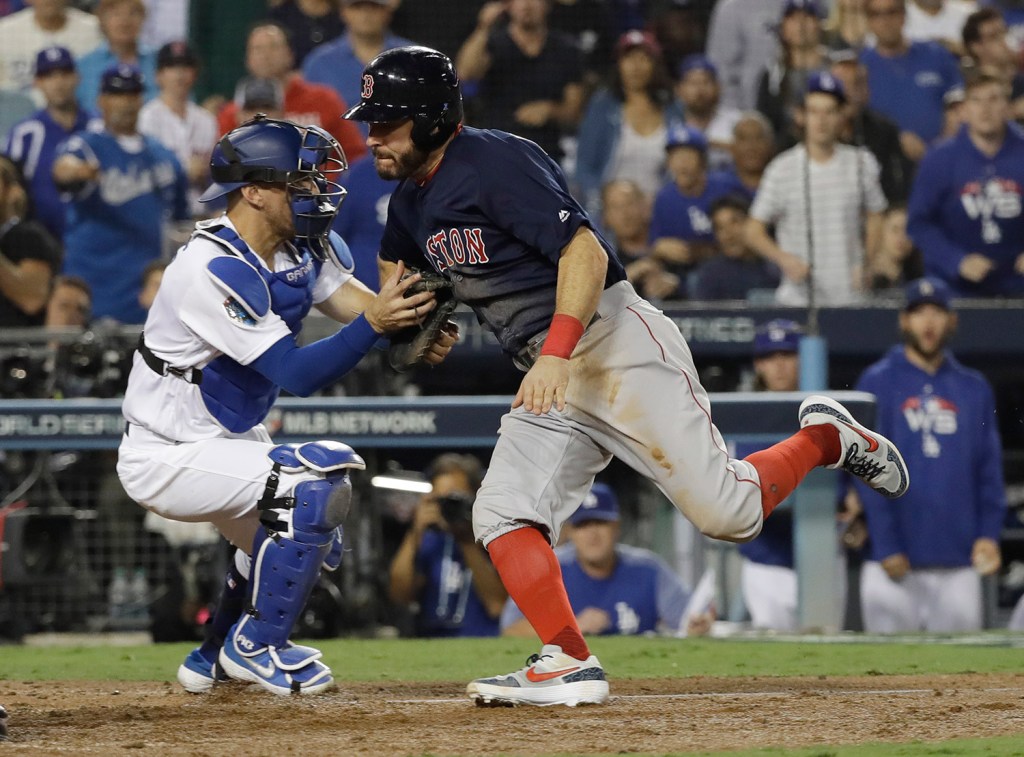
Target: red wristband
563,335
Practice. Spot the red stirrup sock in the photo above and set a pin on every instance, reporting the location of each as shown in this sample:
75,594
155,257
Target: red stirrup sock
529,569
782,466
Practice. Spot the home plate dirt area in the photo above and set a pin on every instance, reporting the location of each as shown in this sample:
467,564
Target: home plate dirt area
396,718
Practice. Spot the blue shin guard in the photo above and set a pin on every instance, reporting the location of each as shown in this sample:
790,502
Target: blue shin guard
288,552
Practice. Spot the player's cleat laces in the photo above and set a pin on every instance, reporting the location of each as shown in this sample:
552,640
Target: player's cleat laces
864,453
550,677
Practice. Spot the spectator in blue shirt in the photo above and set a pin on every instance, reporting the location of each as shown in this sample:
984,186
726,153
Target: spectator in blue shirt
122,186
736,270
121,23
613,588
966,210
33,143
439,566
681,233
339,64
907,79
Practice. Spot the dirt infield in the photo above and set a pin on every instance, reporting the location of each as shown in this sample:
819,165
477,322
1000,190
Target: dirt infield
659,715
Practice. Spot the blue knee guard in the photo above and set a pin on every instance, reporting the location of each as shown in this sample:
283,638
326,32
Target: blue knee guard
333,559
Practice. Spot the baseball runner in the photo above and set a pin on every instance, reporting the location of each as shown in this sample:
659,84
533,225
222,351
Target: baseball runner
218,345
606,373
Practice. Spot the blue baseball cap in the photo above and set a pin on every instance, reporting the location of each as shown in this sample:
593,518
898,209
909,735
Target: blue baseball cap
802,6
697,62
599,504
680,135
54,58
122,79
780,335
825,83
928,291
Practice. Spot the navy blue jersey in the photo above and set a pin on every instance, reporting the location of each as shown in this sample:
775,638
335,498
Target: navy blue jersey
945,426
494,219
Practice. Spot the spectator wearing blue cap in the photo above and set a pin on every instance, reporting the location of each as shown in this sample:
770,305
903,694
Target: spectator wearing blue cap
966,210
33,142
735,272
926,555
697,88
122,187
784,81
681,233
625,128
121,22
825,202
613,588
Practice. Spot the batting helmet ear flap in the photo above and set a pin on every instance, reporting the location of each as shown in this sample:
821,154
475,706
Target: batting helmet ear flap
430,133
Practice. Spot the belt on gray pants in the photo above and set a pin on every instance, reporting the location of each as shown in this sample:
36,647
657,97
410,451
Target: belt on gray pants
527,356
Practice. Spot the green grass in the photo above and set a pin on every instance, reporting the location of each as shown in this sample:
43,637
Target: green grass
464,659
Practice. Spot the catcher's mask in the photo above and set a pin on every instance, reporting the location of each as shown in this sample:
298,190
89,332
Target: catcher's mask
306,159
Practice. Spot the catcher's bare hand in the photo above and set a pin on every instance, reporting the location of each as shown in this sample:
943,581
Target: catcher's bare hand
392,310
544,385
439,350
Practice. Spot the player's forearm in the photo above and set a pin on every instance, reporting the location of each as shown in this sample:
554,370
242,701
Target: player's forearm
304,370
581,273
347,302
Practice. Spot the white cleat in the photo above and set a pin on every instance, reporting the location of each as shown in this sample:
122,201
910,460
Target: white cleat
551,677
865,454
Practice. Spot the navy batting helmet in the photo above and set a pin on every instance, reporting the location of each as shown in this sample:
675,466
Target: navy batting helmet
412,82
305,158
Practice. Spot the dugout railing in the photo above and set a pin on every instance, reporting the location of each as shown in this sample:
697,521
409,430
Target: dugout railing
69,533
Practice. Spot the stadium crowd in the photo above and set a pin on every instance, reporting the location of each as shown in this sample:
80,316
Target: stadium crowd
767,151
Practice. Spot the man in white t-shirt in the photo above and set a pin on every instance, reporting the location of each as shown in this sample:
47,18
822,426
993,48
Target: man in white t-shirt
697,88
938,20
832,188
44,24
177,122
219,344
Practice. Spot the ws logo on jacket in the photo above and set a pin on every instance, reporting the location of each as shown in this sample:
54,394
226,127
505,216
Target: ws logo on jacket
930,416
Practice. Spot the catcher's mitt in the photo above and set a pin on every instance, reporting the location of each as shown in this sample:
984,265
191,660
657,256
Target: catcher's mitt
410,344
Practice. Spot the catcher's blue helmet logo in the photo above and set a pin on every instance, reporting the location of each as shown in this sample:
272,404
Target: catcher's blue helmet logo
306,159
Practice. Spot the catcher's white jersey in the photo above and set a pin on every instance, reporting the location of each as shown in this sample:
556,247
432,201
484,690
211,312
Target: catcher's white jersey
192,322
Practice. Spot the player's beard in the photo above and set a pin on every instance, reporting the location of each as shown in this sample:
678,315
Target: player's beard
929,353
402,165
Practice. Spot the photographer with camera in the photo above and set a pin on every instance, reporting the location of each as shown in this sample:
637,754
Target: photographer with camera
439,566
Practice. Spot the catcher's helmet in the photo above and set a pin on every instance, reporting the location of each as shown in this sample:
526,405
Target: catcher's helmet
412,82
281,152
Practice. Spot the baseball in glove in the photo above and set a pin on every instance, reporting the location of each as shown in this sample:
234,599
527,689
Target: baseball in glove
410,344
